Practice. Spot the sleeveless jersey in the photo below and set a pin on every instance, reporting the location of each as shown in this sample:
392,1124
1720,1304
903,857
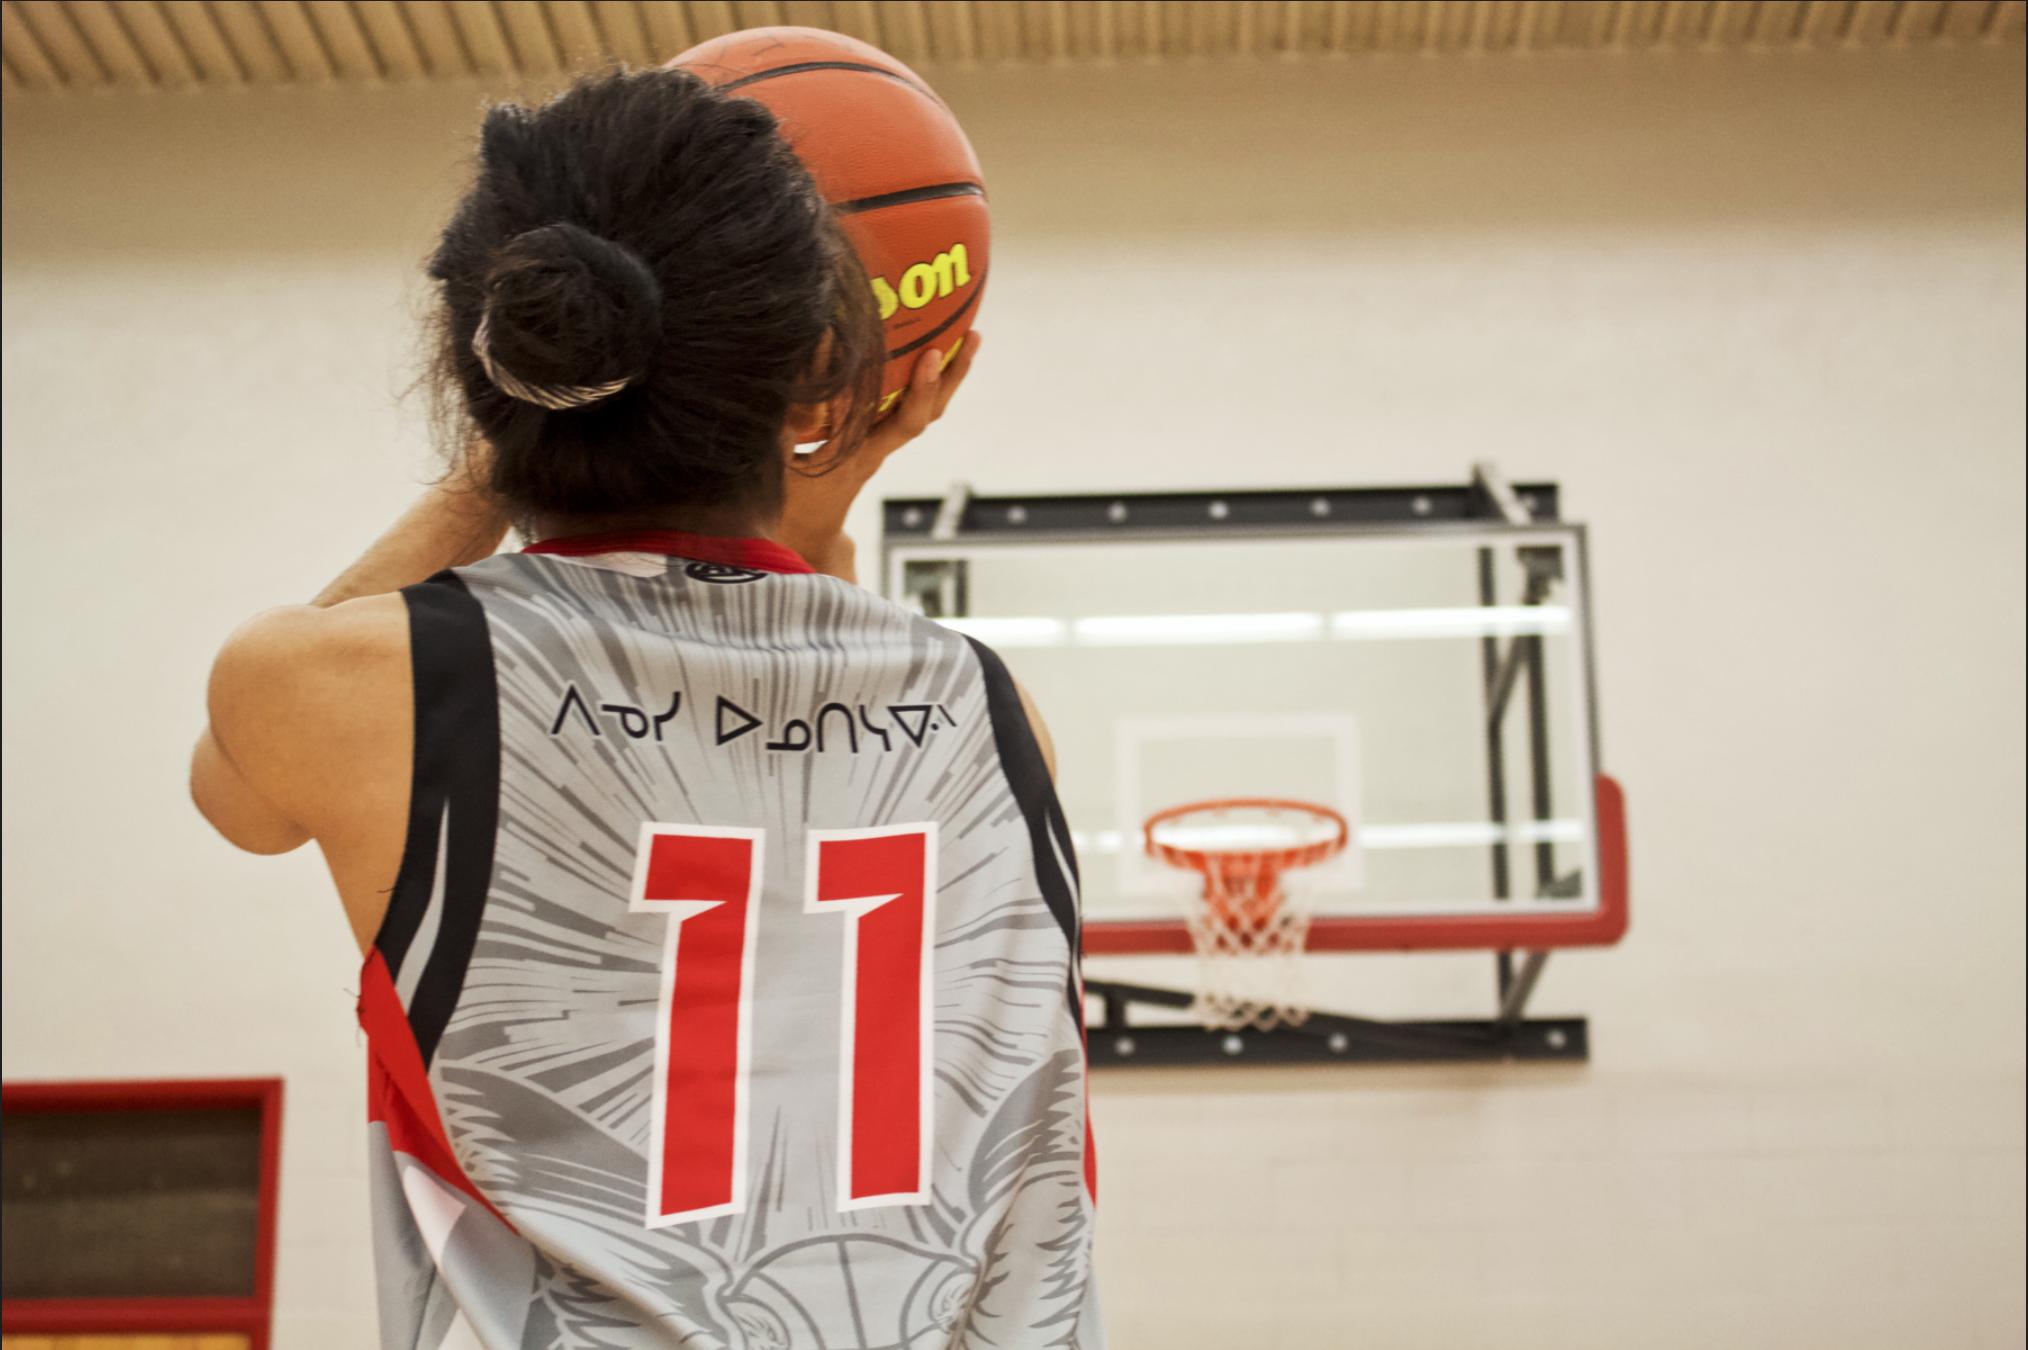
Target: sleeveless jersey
727,995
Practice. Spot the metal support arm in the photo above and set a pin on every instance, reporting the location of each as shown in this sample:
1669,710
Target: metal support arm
1515,997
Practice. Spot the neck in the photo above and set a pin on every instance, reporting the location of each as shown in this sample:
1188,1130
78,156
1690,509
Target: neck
723,522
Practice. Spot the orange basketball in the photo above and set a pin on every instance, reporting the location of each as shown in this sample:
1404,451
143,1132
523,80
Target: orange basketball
891,160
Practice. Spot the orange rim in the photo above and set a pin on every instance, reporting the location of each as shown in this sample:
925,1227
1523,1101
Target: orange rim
1247,859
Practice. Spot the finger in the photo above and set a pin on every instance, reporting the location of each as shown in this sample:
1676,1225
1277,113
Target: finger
954,374
918,405
909,418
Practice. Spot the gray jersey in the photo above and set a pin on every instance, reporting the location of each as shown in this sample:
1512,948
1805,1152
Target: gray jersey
727,995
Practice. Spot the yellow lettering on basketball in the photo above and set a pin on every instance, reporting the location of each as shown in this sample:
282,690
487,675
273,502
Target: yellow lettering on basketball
919,285
884,296
926,281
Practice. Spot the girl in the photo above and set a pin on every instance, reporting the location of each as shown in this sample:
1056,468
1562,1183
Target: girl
719,918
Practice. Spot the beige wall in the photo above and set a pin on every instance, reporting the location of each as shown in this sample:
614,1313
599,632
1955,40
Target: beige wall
1762,316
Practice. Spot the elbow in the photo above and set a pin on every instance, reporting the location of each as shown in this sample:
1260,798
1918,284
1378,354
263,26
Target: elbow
269,838
242,817
267,845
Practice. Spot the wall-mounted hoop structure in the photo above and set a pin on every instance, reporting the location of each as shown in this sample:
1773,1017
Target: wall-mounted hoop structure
1431,677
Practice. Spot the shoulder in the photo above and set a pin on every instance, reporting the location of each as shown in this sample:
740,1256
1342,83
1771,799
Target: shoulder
311,721
284,671
299,641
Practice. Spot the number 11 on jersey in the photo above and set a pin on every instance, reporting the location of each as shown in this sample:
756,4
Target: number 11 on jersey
707,880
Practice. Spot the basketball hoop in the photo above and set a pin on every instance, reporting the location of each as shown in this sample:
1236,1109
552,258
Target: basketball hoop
1250,927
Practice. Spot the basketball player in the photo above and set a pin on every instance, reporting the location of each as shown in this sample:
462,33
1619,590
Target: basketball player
719,917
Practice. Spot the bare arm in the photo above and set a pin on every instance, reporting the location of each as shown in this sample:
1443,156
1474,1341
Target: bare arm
233,806
1035,724
265,696
813,519
454,523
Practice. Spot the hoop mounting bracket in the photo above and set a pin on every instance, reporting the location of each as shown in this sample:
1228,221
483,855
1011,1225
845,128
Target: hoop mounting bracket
1323,1038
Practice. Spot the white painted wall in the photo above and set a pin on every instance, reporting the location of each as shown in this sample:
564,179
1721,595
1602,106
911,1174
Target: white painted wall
1762,317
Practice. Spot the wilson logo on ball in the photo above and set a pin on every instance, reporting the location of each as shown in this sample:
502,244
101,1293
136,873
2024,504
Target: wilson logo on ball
924,282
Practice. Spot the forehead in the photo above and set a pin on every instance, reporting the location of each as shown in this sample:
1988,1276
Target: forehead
1215,655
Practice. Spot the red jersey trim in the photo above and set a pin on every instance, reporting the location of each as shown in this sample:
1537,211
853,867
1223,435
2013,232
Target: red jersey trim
762,555
398,1091
1090,1148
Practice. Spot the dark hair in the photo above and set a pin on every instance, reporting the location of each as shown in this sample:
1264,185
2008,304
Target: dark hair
657,276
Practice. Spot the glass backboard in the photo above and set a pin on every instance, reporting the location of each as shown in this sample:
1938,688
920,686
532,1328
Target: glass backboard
1430,681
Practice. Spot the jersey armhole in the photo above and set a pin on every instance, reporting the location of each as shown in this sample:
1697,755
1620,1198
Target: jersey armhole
431,926
1028,775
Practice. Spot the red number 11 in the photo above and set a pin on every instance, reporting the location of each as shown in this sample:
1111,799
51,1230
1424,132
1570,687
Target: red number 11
706,879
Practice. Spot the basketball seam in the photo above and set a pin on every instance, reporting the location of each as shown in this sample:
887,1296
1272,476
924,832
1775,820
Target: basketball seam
905,348
801,66
908,197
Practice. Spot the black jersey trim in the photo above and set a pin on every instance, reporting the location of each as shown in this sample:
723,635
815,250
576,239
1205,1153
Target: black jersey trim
455,782
908,197
1028,775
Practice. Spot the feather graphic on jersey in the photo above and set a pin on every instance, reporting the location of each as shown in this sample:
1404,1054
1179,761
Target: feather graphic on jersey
1034,1144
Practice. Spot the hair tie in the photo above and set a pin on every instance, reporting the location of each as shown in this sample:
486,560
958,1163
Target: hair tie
554,397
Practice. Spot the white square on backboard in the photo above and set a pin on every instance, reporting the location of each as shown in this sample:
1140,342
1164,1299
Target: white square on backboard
1338,735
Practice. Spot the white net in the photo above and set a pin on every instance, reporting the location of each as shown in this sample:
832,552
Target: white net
1249,939
1251,916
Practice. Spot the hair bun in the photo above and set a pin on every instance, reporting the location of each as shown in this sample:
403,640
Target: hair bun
569,319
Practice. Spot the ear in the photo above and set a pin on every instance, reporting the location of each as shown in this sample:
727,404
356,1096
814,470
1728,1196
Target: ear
808,422
811,423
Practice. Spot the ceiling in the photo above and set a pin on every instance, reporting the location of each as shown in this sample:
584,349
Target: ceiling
55,45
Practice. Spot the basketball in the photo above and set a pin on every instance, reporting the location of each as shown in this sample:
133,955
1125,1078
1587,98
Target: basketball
892,161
